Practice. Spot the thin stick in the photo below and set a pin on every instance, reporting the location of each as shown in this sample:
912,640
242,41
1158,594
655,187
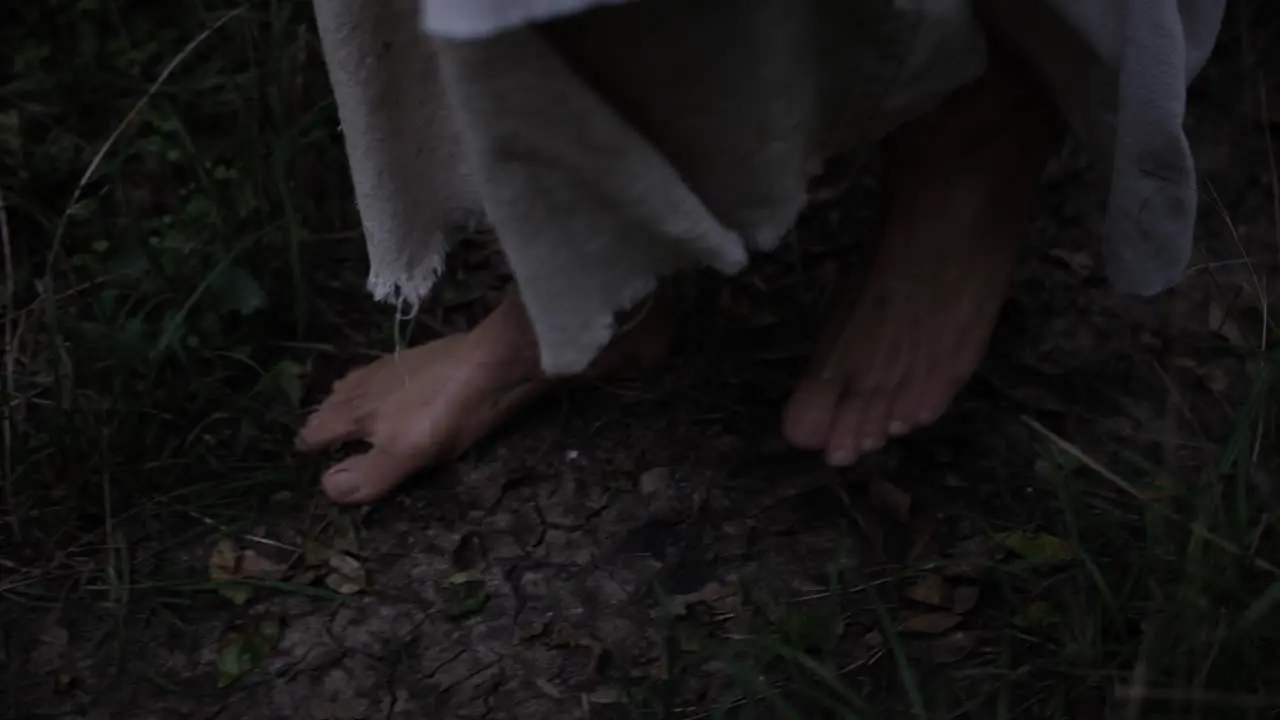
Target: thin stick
1271,153
10,363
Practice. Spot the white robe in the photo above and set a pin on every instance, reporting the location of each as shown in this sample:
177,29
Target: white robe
613,142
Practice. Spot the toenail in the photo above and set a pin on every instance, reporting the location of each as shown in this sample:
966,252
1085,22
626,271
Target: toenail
872,444
897,427
343,486
840,457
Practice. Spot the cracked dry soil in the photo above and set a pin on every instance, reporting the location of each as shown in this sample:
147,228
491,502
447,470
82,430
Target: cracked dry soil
607,521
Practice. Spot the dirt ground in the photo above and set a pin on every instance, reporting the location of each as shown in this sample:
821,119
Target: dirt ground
617,552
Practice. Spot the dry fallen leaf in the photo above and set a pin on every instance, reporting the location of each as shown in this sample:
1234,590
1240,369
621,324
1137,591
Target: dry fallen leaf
347,575
932,590
227,563
254,565
1221,322
924,547
655,481
51,652
315,554
890,499
223,560
546,687
606,696
708,594
965,598
930,623
565,636
970,558
949,648
224,566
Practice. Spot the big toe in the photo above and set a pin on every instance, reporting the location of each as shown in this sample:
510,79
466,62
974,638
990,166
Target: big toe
806,421
368,477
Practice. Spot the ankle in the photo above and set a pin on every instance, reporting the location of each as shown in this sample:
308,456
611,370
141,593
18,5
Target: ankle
506,338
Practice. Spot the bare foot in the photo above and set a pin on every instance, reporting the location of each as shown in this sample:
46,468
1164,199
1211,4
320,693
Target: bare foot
893,358
426,405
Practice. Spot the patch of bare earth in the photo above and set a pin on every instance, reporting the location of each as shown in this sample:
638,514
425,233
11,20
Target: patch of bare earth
599,558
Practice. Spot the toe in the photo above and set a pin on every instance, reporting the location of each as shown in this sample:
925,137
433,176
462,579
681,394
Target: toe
844,443
934,399
912,406
365,478
332,424
858,428
898,427
806,422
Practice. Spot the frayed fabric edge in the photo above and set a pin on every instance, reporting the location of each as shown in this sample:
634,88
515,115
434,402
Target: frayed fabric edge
407,290
565,359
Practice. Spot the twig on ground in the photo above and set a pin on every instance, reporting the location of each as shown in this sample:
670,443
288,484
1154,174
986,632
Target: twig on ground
1271,154
10,364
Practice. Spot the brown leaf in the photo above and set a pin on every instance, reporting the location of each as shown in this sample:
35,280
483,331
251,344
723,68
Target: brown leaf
484,486
224,560
315,553
51,652
930,623
709,594
655,481
253,565
347,576
890,499
563,635
947,649
607,696
931,590
970,558
1222,323
306,576
225,565
923,545
546,687
965,598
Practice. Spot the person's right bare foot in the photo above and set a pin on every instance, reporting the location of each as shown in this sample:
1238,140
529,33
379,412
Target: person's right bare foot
428,404
963,181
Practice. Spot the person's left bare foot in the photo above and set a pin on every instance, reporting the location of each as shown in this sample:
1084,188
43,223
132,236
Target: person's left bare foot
962,186
423,406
